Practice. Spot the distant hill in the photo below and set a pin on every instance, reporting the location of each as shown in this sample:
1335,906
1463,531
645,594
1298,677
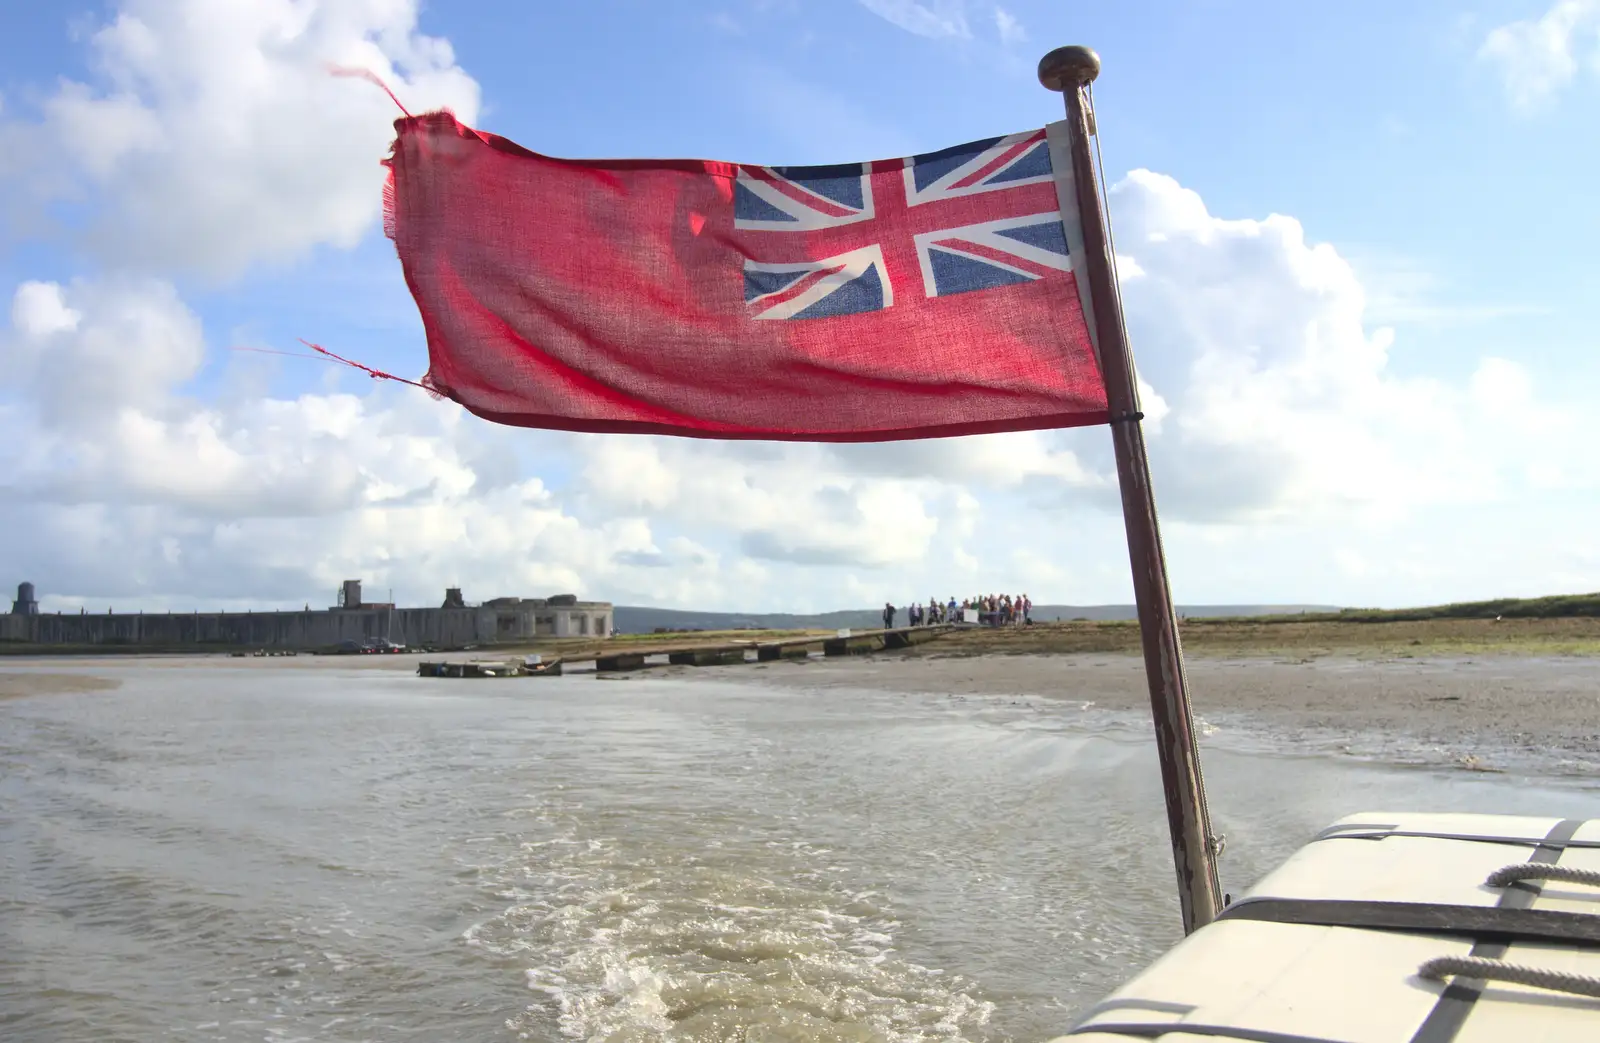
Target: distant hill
635,619
1558,605
1051,613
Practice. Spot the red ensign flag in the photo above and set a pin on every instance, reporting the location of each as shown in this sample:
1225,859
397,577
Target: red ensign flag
906,298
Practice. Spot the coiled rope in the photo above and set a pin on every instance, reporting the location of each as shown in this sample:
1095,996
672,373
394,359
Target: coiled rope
1441,967
1539,871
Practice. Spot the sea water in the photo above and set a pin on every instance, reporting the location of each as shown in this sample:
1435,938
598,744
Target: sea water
215,852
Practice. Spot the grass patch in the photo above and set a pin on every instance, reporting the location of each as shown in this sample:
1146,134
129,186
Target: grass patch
1557,606
1297,637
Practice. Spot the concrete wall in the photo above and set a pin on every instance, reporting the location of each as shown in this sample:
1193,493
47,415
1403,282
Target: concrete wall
582,622
442,627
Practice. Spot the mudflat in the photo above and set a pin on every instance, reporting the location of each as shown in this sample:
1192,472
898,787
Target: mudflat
1546,704
20,685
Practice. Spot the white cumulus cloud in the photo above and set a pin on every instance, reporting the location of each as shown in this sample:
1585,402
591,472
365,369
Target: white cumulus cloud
1539,56
128,485
1009,28
213,135
1281,400
935,18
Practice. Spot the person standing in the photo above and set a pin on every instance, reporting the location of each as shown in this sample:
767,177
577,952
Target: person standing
888,616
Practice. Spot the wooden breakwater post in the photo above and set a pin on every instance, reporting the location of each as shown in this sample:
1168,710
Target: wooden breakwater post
837,646
878,640
773,652
707,656
618,662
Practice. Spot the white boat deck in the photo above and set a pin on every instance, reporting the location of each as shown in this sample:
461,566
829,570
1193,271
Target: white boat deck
1273,981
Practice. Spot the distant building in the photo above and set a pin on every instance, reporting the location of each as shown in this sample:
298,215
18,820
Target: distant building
455,624
26,604
560,616
514,618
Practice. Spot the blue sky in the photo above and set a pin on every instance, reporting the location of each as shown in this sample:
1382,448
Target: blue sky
1381,395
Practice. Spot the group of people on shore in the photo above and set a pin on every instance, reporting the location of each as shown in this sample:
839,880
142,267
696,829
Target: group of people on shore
994,610
1003,610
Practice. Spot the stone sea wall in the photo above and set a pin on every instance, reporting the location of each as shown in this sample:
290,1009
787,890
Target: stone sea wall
440,627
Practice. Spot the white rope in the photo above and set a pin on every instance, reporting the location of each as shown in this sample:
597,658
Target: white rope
1493,970
1539,871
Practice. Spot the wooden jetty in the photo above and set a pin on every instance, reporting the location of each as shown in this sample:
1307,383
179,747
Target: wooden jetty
725,653
860,642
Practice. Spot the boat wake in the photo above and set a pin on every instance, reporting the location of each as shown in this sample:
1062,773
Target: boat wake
748,938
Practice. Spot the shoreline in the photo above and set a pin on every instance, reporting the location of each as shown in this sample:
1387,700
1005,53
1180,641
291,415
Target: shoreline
1203,638
1530,707
1473,710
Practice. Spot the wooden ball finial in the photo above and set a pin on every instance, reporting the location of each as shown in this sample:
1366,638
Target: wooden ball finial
1068,68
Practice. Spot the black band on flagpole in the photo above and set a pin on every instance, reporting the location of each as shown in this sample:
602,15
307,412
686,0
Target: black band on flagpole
1126,418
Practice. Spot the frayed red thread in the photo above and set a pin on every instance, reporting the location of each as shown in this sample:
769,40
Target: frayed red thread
375,374
388,184
370,77
286,354
391,225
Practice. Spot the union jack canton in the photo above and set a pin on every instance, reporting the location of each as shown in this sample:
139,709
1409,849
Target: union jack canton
839,240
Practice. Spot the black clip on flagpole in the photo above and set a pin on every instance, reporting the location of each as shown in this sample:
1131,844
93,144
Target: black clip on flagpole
1194,850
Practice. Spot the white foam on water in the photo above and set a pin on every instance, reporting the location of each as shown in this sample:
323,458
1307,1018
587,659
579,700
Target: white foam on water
756,940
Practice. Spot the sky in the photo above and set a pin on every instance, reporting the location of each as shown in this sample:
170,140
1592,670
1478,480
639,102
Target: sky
1356,244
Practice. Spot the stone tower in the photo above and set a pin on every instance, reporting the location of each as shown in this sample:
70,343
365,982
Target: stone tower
26,604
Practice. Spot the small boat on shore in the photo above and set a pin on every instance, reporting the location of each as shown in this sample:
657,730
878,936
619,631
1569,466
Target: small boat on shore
548,668
1390,928
529,666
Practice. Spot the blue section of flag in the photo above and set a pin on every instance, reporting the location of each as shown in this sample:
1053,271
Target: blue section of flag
841,183
1035,163
747,206
863,293
759,283
1047,235
953,273
930,167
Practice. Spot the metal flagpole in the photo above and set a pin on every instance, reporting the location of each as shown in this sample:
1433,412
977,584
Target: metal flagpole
1194,850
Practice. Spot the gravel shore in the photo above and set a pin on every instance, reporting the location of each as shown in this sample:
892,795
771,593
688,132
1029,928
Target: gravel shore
1549,706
